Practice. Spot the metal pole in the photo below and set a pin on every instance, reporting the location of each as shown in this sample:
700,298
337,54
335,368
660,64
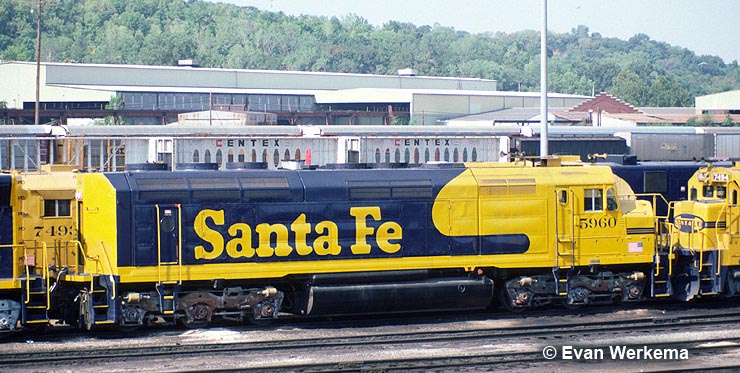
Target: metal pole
543,82
38,59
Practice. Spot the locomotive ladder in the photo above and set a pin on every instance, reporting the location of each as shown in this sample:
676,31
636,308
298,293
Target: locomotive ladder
709,272
167,286
561,279
660,277
35,293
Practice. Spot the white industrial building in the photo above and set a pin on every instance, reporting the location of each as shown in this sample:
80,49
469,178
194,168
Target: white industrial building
157,94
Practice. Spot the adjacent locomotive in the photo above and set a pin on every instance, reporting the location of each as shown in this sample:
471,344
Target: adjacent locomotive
705,235
37,243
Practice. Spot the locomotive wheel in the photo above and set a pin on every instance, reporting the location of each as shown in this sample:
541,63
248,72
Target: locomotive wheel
197,316
505,299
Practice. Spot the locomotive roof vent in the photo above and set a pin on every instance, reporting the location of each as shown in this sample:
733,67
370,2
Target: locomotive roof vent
245,166
196,166
147,167
443,165
388,165
346,166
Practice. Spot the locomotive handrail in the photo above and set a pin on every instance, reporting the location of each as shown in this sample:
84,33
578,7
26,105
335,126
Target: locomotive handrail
656,197
110,268
716,237
86,257
572,229
44,273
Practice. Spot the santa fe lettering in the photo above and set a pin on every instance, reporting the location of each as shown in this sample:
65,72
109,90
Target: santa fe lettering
275,239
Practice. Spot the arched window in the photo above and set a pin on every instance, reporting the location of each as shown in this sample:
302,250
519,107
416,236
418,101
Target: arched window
377,155
406,155
447,154
241,155
286,157
207,156
455,155
276,157
474,156
196,156
387,155
219,158
264,156
465,154
436,154
297,154
426,155
253,157
398,155
416,155
230,155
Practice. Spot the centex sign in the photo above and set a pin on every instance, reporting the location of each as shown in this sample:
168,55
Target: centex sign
306,238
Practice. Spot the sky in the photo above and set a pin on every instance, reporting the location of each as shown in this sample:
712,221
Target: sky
707,27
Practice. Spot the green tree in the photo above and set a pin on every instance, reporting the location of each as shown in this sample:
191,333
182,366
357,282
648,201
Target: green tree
628,86
156,32
728,122
666,92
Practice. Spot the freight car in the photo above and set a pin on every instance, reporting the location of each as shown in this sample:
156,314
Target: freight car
193,246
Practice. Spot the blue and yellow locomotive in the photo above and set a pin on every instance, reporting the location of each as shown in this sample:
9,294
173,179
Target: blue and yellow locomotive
37,244
136,248
705,235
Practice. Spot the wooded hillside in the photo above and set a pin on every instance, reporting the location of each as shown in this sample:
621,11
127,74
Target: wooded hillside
641,71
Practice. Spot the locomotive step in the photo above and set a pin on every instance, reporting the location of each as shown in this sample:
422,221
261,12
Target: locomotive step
39,321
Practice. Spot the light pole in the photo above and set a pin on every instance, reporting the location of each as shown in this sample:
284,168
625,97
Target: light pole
38,59
543,82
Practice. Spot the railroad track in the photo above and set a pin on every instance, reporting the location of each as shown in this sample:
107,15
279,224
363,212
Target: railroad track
479,347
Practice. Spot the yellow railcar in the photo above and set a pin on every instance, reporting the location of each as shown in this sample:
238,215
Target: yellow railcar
37,240
705,235
195,245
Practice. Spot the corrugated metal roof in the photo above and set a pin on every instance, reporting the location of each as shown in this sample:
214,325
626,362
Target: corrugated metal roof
377,95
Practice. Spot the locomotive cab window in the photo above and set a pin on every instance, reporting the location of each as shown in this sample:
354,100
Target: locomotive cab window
693,195
592,200
56,207
707,191
721,192
734,197
563,197
611,200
